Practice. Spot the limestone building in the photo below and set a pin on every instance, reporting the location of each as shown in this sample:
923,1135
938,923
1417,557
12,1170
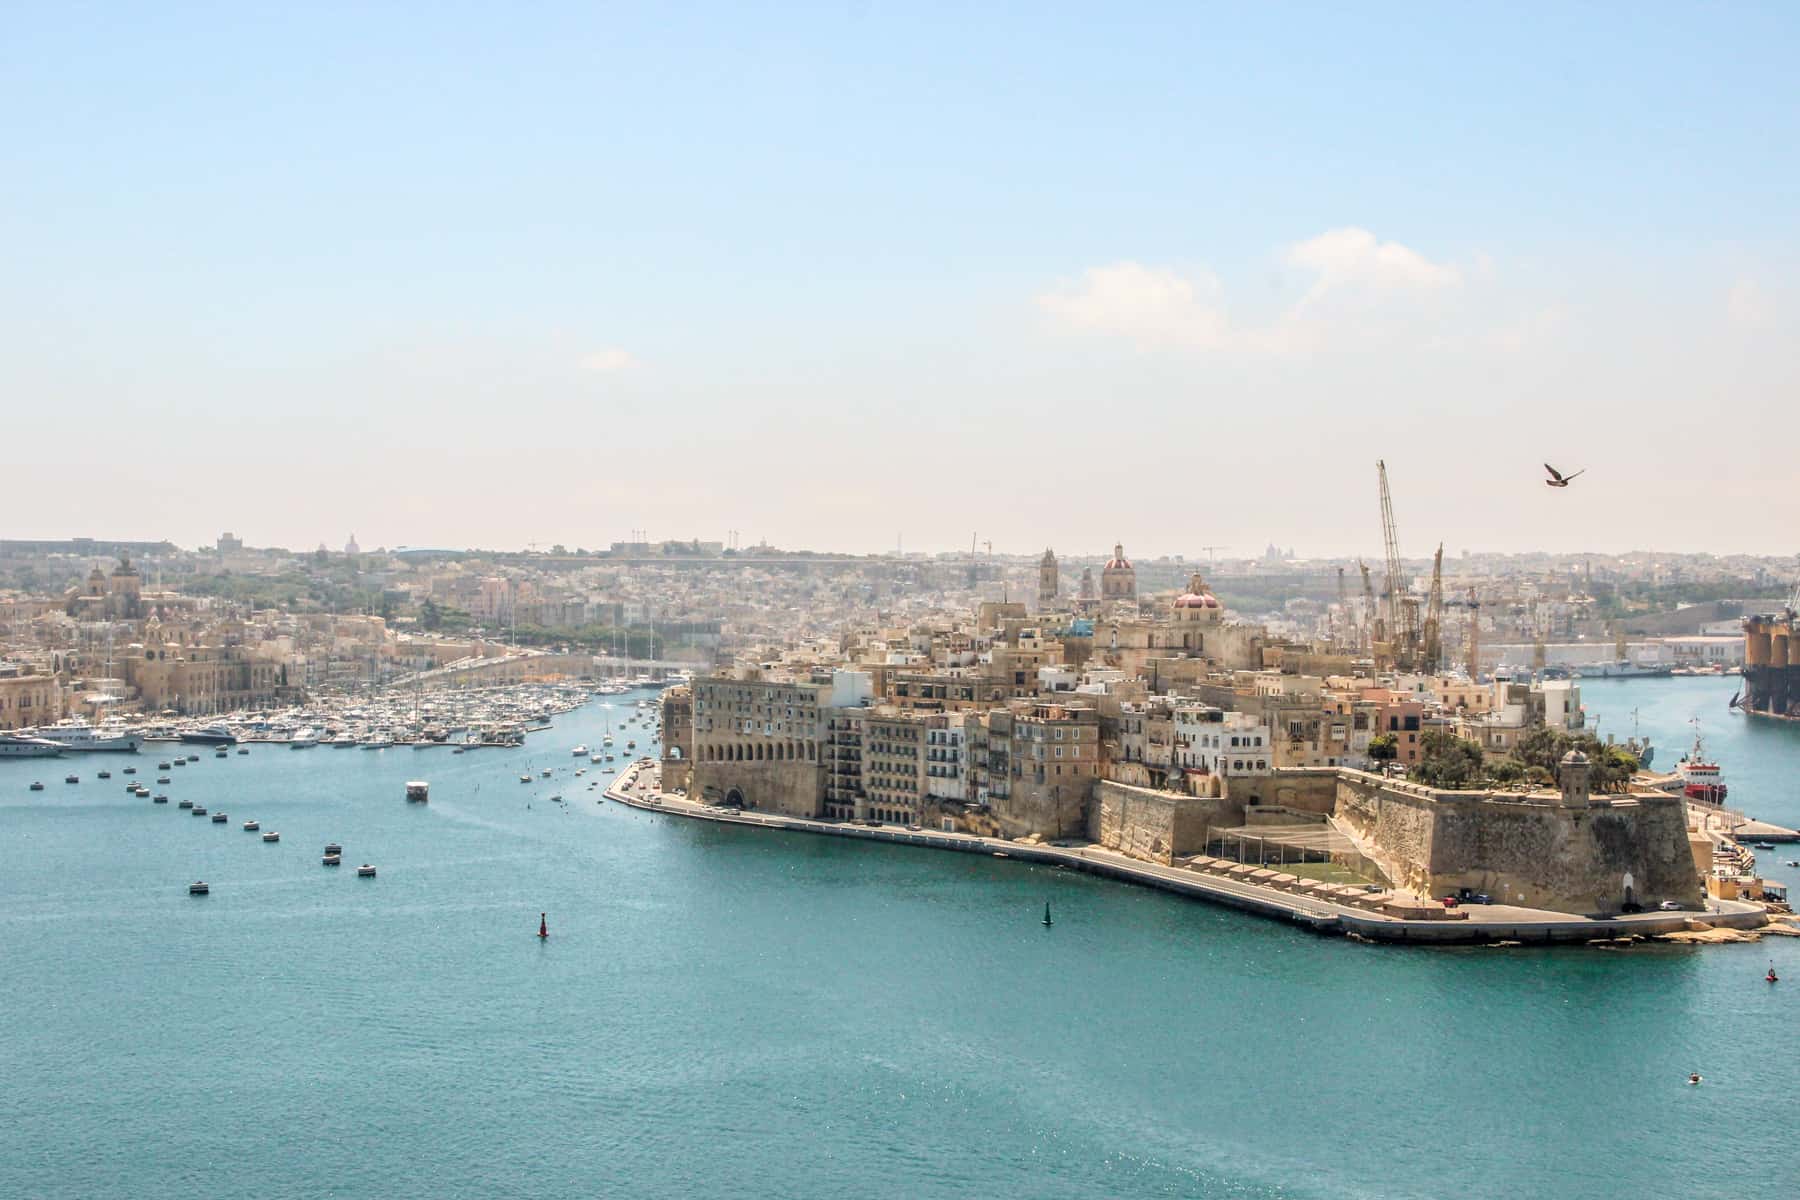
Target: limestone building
756,743
1049,584
1118,578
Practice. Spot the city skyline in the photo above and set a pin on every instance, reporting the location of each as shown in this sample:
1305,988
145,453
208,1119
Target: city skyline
827,276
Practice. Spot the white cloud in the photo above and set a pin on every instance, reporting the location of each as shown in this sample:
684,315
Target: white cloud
1158,307
1748,304
1353,257
608,360
1152,306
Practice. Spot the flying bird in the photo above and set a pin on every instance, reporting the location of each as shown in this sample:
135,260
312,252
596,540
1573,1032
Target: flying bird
1558,479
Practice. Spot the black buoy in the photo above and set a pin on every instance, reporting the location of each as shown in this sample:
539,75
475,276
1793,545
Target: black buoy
1047,921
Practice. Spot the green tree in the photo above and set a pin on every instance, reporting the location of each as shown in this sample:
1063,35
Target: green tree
1384,747
430,615
1447,761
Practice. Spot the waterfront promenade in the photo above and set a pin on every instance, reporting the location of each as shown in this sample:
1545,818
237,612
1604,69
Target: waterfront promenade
1264,891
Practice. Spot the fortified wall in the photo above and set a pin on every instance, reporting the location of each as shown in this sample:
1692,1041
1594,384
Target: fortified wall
1155,825
1567,852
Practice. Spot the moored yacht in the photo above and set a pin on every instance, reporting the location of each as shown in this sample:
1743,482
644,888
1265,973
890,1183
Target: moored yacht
18,745
79,735
208,735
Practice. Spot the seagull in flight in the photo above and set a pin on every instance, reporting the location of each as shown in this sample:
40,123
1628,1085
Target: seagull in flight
1558,479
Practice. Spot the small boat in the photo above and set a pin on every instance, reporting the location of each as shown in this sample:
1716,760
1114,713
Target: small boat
163,766
162,779
243,750
579,751
417,791
220,818
333,849
365,872
252,826
106,774
594,758
37,785
631,745
330,860
1792,862
1755,845
160,800
271,836
71,779
185,804
198,810
545,773
191,758
221,754
524,779
198,888
131,770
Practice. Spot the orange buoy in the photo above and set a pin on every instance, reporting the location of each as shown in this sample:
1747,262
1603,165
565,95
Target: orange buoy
543,925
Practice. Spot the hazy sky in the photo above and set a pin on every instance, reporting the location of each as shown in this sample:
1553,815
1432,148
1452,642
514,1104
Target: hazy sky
490,274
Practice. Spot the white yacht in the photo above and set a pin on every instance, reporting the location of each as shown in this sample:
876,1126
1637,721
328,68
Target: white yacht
14,745
304,738
79,735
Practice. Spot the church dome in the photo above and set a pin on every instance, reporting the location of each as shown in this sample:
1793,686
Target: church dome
1198,595
1118,562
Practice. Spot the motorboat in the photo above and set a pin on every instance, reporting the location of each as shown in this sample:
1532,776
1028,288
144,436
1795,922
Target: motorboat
524,779
221,754
330,860
185,804
418,791
271,836
37,785
160,800
192,758
131,770
220,818
106,774
71,779
198,888
304,739
243,749
252,826
545,773
165,766
333,849
579,751
207,735
199,810
15,745
365,871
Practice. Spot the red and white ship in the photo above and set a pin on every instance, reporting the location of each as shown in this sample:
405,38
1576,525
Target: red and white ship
1700,776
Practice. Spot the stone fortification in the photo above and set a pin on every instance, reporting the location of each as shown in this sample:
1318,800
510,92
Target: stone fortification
1153,825
1567,853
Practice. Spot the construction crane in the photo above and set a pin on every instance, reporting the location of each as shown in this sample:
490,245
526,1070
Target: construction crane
1402,609
1339,639
1212,555
1431,643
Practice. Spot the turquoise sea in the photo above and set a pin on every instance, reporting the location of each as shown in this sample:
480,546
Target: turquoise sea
728,1012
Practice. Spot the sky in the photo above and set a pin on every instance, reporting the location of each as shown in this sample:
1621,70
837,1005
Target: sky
846,276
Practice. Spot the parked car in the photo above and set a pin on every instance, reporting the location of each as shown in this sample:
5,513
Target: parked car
1671,906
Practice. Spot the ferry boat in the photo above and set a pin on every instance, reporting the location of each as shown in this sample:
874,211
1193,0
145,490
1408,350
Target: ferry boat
79,735
17,745
1700,777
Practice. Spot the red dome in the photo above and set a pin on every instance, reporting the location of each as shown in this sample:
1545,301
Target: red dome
1191,600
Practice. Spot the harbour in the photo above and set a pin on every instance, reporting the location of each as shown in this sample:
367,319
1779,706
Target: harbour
421,1003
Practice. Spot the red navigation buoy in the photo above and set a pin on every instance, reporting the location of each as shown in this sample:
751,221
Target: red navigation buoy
1772,977
543,925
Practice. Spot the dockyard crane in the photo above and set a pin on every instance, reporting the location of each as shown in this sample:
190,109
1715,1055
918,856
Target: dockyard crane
1431,645
1371,622
1402,610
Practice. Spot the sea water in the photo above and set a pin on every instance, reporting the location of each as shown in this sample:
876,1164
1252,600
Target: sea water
728,1012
